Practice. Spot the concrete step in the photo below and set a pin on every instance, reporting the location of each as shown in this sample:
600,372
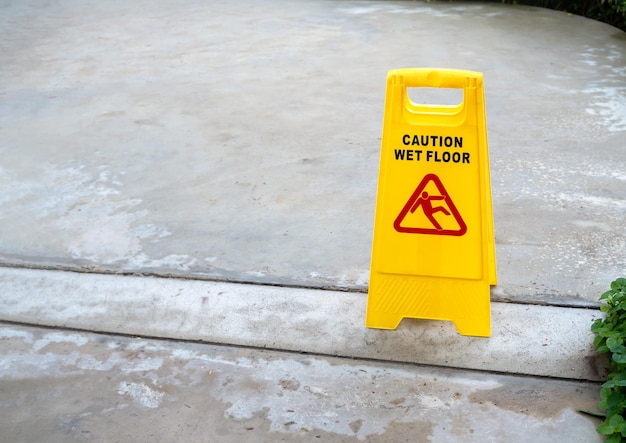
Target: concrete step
534,340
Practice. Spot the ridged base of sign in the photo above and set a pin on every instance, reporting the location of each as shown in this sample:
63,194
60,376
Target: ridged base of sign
464,302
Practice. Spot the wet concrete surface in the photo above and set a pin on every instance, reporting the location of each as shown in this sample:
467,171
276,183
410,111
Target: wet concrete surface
240,141
60,386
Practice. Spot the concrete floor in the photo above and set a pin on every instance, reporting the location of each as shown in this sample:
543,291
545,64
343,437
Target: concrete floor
62,386
240,141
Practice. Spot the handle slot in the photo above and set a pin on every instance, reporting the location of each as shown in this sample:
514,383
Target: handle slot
435,97
452,90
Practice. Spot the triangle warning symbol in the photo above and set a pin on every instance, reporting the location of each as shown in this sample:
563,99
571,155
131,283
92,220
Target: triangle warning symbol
430,210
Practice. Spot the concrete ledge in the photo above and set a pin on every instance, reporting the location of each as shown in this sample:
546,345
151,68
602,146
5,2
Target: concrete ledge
526,339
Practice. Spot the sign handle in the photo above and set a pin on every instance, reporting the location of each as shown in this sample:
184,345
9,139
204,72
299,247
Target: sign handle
441,78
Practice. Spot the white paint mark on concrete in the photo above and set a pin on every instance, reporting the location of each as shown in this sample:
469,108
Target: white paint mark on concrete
354,277
255,273
607,93
592,224
618,175
126,363
181,262
59,337
312,404
412,8
141,394
14,366
105,227
582,199
610,105
7,332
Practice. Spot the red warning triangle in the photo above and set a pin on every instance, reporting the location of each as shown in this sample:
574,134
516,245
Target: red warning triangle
436,210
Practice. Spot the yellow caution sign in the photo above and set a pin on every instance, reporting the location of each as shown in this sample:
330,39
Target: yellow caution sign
433,253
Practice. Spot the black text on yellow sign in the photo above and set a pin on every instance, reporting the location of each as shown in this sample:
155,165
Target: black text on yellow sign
433,253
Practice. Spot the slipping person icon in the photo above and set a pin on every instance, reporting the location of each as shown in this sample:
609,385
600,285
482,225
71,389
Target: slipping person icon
441,217
425,201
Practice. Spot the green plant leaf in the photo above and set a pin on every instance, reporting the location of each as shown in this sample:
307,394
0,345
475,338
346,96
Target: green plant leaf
605,428
610,425
605,393
618,284
620,377
614,341
615,438
614,399
611,337
597,326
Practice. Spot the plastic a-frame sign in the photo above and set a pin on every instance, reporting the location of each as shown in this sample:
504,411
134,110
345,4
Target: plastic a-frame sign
433,253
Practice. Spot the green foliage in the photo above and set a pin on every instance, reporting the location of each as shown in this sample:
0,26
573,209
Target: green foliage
611,337
612,12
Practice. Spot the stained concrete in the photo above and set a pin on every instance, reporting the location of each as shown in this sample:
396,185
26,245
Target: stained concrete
239,141
62,386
